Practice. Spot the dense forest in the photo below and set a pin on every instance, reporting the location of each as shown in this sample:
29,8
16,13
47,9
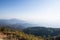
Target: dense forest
42,31
9,33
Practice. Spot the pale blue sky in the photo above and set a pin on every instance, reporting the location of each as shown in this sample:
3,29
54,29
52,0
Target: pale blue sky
42,12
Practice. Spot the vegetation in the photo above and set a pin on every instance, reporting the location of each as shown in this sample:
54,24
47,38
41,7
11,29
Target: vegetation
8,33
17,35
42,31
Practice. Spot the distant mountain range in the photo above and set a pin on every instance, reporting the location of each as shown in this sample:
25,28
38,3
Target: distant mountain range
30,28
15,23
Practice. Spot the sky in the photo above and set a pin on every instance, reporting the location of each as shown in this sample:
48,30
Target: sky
41,12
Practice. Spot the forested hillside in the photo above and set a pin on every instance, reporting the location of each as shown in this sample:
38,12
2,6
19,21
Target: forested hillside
6,33
42,31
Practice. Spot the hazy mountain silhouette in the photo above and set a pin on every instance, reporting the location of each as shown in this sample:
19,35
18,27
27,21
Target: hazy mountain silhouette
15,23
31,29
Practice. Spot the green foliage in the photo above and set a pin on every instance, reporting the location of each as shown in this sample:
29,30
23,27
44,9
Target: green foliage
16,34
41,31
13,34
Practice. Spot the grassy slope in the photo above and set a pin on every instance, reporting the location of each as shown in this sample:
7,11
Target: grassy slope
16,35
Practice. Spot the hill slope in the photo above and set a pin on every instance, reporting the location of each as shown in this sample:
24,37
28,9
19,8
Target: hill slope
10,34
42,31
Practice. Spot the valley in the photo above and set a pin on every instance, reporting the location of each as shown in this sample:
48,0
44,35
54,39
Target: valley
17,31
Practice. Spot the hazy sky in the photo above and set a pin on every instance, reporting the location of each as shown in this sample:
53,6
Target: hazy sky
42,12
